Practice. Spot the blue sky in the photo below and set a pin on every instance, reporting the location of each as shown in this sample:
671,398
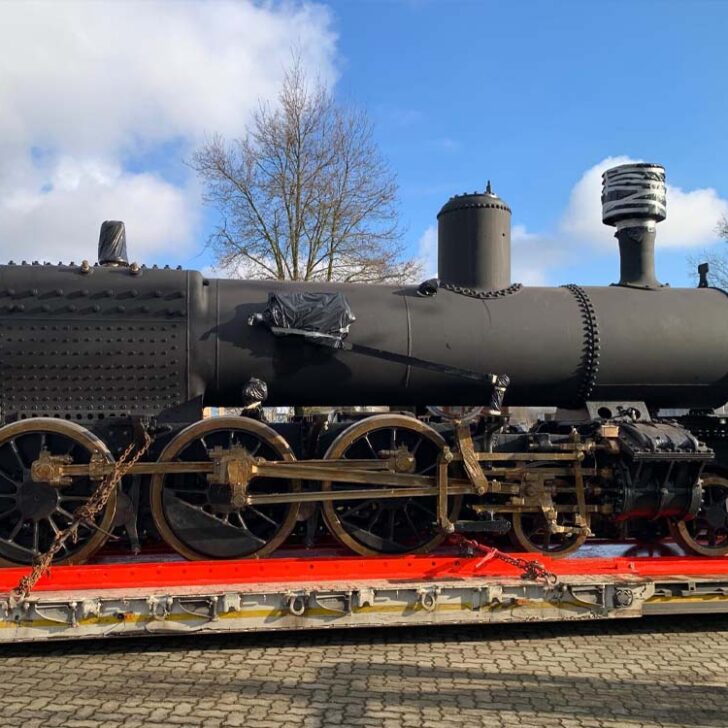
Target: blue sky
532,95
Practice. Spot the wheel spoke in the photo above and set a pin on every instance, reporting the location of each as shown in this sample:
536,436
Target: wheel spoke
5,476
52,523
262,515
416,503
71,518
371,447
374,519
36,537
391,525
415,531
7,512
16,529
354,509
14,448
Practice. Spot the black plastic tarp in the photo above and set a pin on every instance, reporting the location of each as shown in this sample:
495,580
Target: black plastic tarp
324,317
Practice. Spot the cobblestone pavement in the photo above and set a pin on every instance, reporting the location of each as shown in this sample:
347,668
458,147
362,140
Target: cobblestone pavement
668,672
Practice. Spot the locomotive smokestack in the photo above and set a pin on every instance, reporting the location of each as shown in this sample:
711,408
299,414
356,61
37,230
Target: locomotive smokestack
112,243
474,241
634,201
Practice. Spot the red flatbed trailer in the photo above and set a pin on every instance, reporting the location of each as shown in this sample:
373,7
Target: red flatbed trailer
314,590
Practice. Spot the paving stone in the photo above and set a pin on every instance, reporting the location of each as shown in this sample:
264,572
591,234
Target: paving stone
618,674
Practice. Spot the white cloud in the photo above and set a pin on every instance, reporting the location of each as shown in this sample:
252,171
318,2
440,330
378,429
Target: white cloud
62,221
88,85
691,216
533,256
427,252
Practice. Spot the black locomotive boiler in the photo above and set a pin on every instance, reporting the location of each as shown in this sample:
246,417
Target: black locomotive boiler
92,357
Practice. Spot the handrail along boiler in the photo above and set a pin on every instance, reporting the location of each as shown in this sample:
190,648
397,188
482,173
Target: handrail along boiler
94,355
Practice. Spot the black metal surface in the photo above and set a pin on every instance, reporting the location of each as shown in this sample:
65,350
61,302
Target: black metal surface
110,342
658,473
93,345
474,241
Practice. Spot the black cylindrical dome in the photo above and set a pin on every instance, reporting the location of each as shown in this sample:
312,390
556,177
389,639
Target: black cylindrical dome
474,241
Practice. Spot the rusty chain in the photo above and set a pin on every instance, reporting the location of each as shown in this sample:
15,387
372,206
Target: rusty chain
530,570
85,513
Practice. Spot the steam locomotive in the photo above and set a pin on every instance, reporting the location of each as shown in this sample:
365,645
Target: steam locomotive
93,357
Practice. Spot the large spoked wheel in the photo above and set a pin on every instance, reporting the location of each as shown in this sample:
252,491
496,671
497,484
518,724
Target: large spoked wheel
201,520
388,525
707,533
32,513
531,530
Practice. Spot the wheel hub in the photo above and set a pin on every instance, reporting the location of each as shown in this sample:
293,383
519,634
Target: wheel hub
37,500
221,498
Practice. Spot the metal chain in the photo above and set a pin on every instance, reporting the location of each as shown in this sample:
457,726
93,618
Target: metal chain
475,293
85,513
530,570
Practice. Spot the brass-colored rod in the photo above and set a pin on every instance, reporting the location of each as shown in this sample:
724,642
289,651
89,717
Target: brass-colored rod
334,495
140,468
208,466
367,472
525,457
363,477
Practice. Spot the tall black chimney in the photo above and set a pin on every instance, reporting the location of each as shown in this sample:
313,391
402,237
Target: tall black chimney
634,201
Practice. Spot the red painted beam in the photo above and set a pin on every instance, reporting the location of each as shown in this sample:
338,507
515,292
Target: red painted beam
351,569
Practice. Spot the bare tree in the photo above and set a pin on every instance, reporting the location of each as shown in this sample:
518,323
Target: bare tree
722,228
718,262
304,195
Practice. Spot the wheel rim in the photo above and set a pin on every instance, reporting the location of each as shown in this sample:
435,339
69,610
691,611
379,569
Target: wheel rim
530,531
192,515
389,526
707,533
31,514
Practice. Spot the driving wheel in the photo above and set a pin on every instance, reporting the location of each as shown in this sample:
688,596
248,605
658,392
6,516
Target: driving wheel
32,513
202,520
377,525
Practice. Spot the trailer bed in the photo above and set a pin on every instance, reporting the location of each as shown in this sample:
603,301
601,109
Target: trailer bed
301,590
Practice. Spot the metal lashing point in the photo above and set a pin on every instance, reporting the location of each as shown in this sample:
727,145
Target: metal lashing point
297,604
428,600
623,598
